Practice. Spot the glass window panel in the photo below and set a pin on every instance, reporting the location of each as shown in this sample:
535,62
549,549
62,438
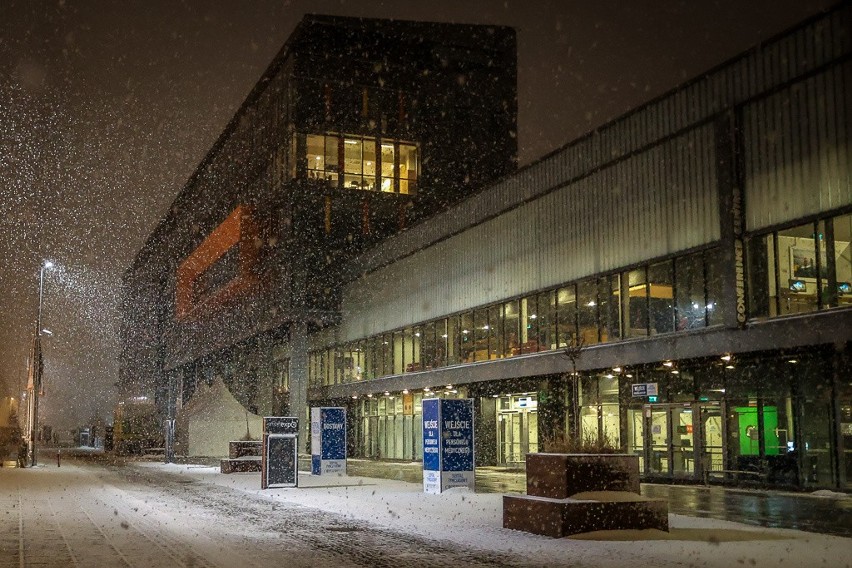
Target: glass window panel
511,313
316,155
797,269
353,162
416,342
610,307
369,181
407,359
842,235
388,156
481,334
529,327
713,263
498,335
566,315
661,301
441,343
547,320
587,305
330,160
636,303
398,352
466,343
691,303
408,168
428,346
387,354
358,361
453,340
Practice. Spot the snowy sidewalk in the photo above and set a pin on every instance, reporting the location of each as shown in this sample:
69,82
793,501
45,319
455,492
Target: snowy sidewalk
474,520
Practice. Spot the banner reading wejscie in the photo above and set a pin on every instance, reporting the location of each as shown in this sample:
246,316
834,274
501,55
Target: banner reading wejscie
448,449
328,441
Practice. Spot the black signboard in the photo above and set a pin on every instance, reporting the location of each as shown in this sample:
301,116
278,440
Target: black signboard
280,458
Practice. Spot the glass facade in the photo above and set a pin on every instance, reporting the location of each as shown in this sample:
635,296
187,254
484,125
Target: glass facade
671,296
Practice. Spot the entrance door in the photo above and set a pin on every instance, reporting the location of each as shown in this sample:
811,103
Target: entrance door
673,441
713,436
517,435
657,438
517,428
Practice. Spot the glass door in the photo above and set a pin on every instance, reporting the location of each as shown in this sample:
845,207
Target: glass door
509,437
636,434
713,436
657,438
683,440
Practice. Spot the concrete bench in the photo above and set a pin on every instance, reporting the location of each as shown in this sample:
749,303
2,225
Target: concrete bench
243,456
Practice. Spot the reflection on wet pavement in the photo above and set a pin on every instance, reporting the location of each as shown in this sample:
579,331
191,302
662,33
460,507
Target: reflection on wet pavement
823,515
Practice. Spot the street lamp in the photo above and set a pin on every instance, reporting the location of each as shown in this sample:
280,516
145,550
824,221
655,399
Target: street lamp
36,369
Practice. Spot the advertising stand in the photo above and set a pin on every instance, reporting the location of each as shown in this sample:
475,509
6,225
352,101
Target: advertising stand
280,457
447,444
328,441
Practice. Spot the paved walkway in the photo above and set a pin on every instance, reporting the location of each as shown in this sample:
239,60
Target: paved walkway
824,512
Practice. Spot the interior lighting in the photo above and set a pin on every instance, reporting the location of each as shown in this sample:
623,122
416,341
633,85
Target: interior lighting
725,357
404,391
609,376
355,397
533,316
464,331
449,387
793,361
667,364
729,367
629,375
370,395
591,304
417,334
444,336
47,331
486,327
675,372
495,396
616,369
387,393
350,142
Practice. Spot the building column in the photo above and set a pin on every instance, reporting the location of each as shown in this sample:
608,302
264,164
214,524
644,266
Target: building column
299,379
732,300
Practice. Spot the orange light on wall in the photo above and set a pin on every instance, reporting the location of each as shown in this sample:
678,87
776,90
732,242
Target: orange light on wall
237,230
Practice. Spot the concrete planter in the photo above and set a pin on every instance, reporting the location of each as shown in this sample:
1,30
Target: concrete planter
574,493
559,476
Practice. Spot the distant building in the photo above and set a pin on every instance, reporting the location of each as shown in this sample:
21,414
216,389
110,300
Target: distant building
694,254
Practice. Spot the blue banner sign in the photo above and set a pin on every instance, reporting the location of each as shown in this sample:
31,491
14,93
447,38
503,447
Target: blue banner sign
328,441
448,449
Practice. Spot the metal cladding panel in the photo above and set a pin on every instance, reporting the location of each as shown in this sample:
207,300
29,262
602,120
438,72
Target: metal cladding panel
797,150
652,204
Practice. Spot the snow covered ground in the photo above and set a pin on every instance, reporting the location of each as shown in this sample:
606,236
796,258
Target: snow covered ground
474,521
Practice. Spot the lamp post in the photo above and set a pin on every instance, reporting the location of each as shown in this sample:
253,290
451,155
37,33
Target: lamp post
36,370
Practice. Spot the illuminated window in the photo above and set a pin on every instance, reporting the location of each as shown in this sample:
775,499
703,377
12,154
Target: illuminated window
394,168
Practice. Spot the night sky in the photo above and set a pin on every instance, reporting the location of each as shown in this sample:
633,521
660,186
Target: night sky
107,107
